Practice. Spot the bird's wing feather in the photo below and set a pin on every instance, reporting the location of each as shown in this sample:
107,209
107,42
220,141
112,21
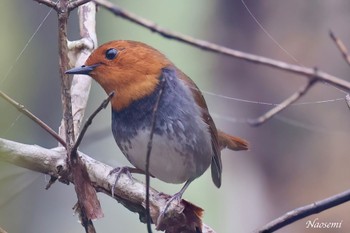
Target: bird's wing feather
216,164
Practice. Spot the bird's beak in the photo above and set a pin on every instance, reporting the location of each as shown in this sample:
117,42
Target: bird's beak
82,70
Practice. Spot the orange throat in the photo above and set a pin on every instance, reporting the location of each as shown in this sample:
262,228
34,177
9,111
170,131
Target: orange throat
128,93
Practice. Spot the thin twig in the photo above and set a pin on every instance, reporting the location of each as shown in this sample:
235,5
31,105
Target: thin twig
290,100
26,112
302,212
89,121
77,3
48,3
149,149
341,46
305,71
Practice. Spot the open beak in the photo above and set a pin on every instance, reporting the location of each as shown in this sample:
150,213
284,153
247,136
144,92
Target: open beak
82,70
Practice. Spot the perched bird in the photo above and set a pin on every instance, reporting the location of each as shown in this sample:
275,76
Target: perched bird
185,140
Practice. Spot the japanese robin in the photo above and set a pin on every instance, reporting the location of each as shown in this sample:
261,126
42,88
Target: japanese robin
185,141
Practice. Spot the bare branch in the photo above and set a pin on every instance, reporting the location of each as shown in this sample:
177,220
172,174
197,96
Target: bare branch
78,52
88,205
302,212
293,98
130,193
305,71
341,46
26,112
48,3
66,129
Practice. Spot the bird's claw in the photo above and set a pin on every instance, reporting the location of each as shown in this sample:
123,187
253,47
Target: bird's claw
118,171
175,198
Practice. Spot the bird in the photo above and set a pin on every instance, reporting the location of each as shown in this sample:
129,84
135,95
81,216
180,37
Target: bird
186,141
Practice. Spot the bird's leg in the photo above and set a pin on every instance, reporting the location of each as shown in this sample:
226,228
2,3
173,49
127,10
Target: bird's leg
177,196
118,171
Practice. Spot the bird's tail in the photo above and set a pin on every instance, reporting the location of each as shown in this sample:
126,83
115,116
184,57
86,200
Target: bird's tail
231,142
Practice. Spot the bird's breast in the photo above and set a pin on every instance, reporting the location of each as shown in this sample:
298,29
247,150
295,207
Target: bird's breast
181,148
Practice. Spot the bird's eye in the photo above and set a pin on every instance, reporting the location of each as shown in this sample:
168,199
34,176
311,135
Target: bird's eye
111,53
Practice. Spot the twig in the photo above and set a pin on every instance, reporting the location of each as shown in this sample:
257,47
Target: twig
74,4
293,98
307,72
89,121
302,212
26,112
341,46
48,3
149,150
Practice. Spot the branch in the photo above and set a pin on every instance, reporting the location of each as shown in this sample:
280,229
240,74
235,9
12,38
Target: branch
89,121
66,129
305,71
78,52
88,205
26,112
342,48
302,212
130,193
293,98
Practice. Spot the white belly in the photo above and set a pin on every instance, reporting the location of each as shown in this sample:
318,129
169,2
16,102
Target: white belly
169,160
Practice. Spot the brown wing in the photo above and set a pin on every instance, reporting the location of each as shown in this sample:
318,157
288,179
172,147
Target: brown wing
216,164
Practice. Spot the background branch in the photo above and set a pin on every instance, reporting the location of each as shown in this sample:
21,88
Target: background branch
302,212
305,71
341,46
26,112
292,99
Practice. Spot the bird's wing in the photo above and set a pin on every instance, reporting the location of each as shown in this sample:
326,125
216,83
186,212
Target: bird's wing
216,164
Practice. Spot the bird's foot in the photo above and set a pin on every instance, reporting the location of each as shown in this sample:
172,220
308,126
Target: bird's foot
175,199
118,171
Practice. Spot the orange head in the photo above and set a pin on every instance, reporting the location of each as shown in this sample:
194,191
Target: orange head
131,69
